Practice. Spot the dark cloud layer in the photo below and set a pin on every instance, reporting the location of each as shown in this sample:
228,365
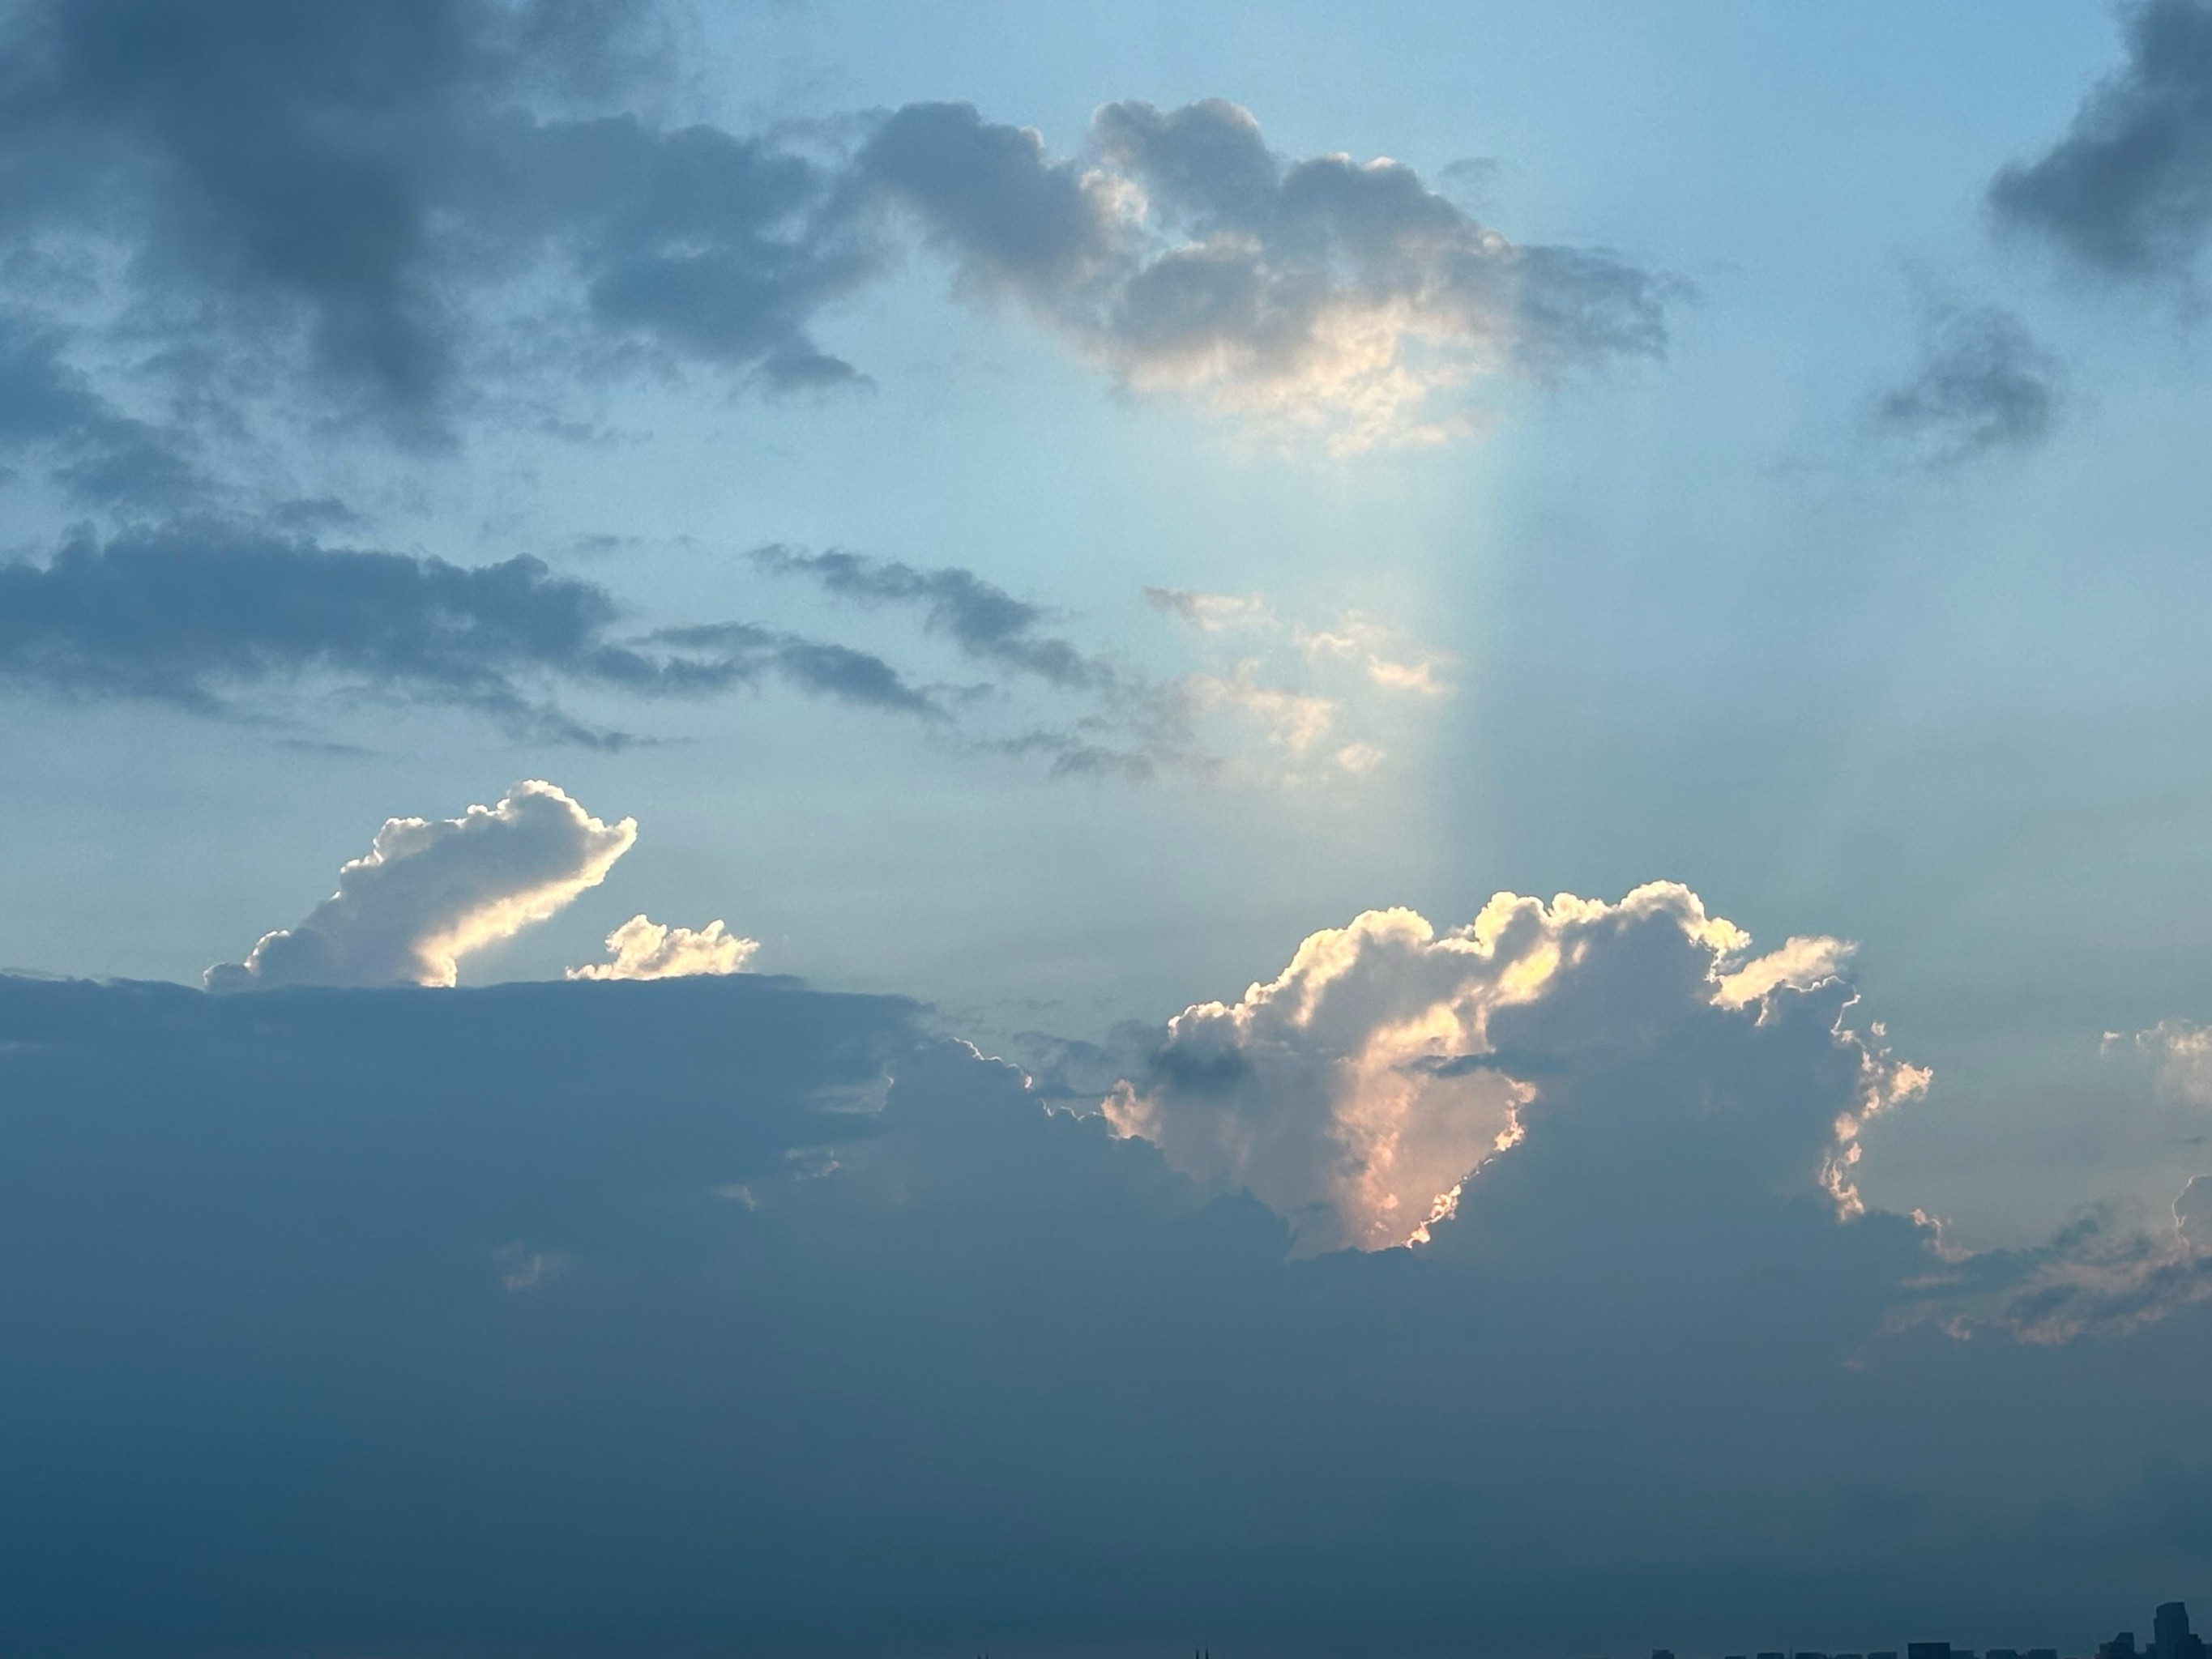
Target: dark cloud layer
2128,190
603,1313
191,613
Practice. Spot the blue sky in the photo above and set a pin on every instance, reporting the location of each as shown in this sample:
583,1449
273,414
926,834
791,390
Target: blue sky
1748,447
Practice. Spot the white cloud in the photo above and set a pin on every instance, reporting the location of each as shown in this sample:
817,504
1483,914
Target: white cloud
1359,1092
644,949
430,890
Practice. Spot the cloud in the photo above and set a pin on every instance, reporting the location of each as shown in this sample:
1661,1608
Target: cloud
429,891
389,207
721,1308
988,624
1376,651
1324,294
643,949
97,454
1119,721
1210,613
337,189
2183,1053
1362,1089
1981,383
202,613
185,613
2128,191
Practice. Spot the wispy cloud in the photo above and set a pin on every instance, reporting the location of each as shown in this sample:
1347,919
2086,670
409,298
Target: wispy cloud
192,612
1239,714
1981,383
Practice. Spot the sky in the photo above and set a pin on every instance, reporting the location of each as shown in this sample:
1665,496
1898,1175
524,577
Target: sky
890,830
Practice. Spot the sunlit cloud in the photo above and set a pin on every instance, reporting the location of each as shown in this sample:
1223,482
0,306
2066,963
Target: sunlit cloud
430,891
1363,1089
644,949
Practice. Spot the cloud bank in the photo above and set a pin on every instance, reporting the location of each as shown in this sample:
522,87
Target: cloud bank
714,1311
429,891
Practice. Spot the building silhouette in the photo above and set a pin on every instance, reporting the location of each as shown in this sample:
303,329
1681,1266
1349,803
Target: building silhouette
2171,1639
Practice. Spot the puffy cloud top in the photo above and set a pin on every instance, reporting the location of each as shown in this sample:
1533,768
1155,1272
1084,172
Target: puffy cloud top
1359,1091
643,949
430,890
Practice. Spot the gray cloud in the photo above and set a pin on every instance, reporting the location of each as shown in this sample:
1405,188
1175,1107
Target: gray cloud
343,176
983,620
430,891
1981,383
97,454
717,1307
2128,190
395,209
185,613
1183,252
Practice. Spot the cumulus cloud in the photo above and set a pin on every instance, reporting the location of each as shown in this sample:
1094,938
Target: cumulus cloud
2128,190
430,890
1363,1090
643,949
1181,253
188,611
1981,383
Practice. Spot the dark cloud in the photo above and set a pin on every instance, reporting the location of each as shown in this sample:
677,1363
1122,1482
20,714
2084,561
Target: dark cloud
188,613
1184,252
983,620
394,205
349,173
1123,726
821,665
1981,383
988,192
611,1316
2128,190
97,454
